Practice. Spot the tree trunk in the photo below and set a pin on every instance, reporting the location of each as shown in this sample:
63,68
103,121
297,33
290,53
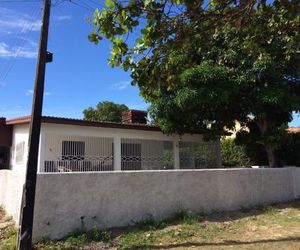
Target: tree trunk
273,159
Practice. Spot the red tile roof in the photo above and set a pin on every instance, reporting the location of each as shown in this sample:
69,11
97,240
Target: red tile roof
19,120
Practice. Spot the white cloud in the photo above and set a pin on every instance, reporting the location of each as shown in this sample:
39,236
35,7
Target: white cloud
14,33
19,52
12,21
23,24
122,85
16,40
30,92
63,18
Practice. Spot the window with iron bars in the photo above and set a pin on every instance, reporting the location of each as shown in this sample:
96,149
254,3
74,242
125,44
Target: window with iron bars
141,154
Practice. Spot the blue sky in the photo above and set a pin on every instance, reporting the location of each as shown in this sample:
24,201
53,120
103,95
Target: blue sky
78,77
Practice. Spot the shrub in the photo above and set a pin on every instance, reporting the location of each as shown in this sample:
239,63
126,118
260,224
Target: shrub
234,155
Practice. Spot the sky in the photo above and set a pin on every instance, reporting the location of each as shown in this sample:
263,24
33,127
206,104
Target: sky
79,76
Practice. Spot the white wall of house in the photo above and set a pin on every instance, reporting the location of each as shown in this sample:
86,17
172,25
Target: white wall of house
154,145
19,149
53,135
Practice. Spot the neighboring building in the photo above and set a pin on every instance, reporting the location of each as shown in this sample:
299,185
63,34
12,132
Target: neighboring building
293,130
71,145
5,143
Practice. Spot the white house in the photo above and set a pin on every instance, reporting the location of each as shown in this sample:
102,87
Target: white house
71,145
74,193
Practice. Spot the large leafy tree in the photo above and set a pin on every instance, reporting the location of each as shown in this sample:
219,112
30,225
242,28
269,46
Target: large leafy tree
204,64
105,112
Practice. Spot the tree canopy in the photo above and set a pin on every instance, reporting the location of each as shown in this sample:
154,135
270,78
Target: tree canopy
105,112
204,64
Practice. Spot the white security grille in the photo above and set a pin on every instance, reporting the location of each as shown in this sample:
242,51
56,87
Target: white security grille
78,153
63,153
139,154
73,150
195,155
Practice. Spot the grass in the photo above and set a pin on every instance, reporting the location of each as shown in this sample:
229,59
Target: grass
10,238
78,240
271,227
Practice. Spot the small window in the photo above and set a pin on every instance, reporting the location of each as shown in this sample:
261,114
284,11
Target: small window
73,150
20,150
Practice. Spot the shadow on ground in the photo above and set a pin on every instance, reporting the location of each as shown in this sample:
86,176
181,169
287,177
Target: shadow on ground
214,216
188,245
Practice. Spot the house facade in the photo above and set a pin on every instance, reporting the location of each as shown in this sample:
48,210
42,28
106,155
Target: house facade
71,145
85,176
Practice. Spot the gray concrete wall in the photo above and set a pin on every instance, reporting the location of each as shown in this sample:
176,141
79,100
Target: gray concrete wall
11,188
72,201
296,175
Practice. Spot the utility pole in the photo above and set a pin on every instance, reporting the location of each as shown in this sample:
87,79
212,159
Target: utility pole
28,199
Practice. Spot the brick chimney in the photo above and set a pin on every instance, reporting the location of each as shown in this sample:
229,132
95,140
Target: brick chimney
134,117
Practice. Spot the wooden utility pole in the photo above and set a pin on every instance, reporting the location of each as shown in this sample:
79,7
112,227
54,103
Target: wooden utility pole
27,209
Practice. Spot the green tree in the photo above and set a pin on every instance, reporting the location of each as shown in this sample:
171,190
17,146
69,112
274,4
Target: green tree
105,112
204,64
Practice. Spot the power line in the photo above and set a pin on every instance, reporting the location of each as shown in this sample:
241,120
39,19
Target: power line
85,4
58,2
79,5
18,37
11,62
96,4
20,1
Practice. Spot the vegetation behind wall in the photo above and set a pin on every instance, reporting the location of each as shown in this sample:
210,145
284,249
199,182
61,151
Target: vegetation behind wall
290,149
236,153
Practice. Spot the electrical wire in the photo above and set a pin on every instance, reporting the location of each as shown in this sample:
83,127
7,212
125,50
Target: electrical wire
20,1
11,62
80,6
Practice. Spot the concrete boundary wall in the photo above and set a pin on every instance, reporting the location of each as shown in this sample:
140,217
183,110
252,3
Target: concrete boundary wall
80,201
66,202
296,175
11,188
